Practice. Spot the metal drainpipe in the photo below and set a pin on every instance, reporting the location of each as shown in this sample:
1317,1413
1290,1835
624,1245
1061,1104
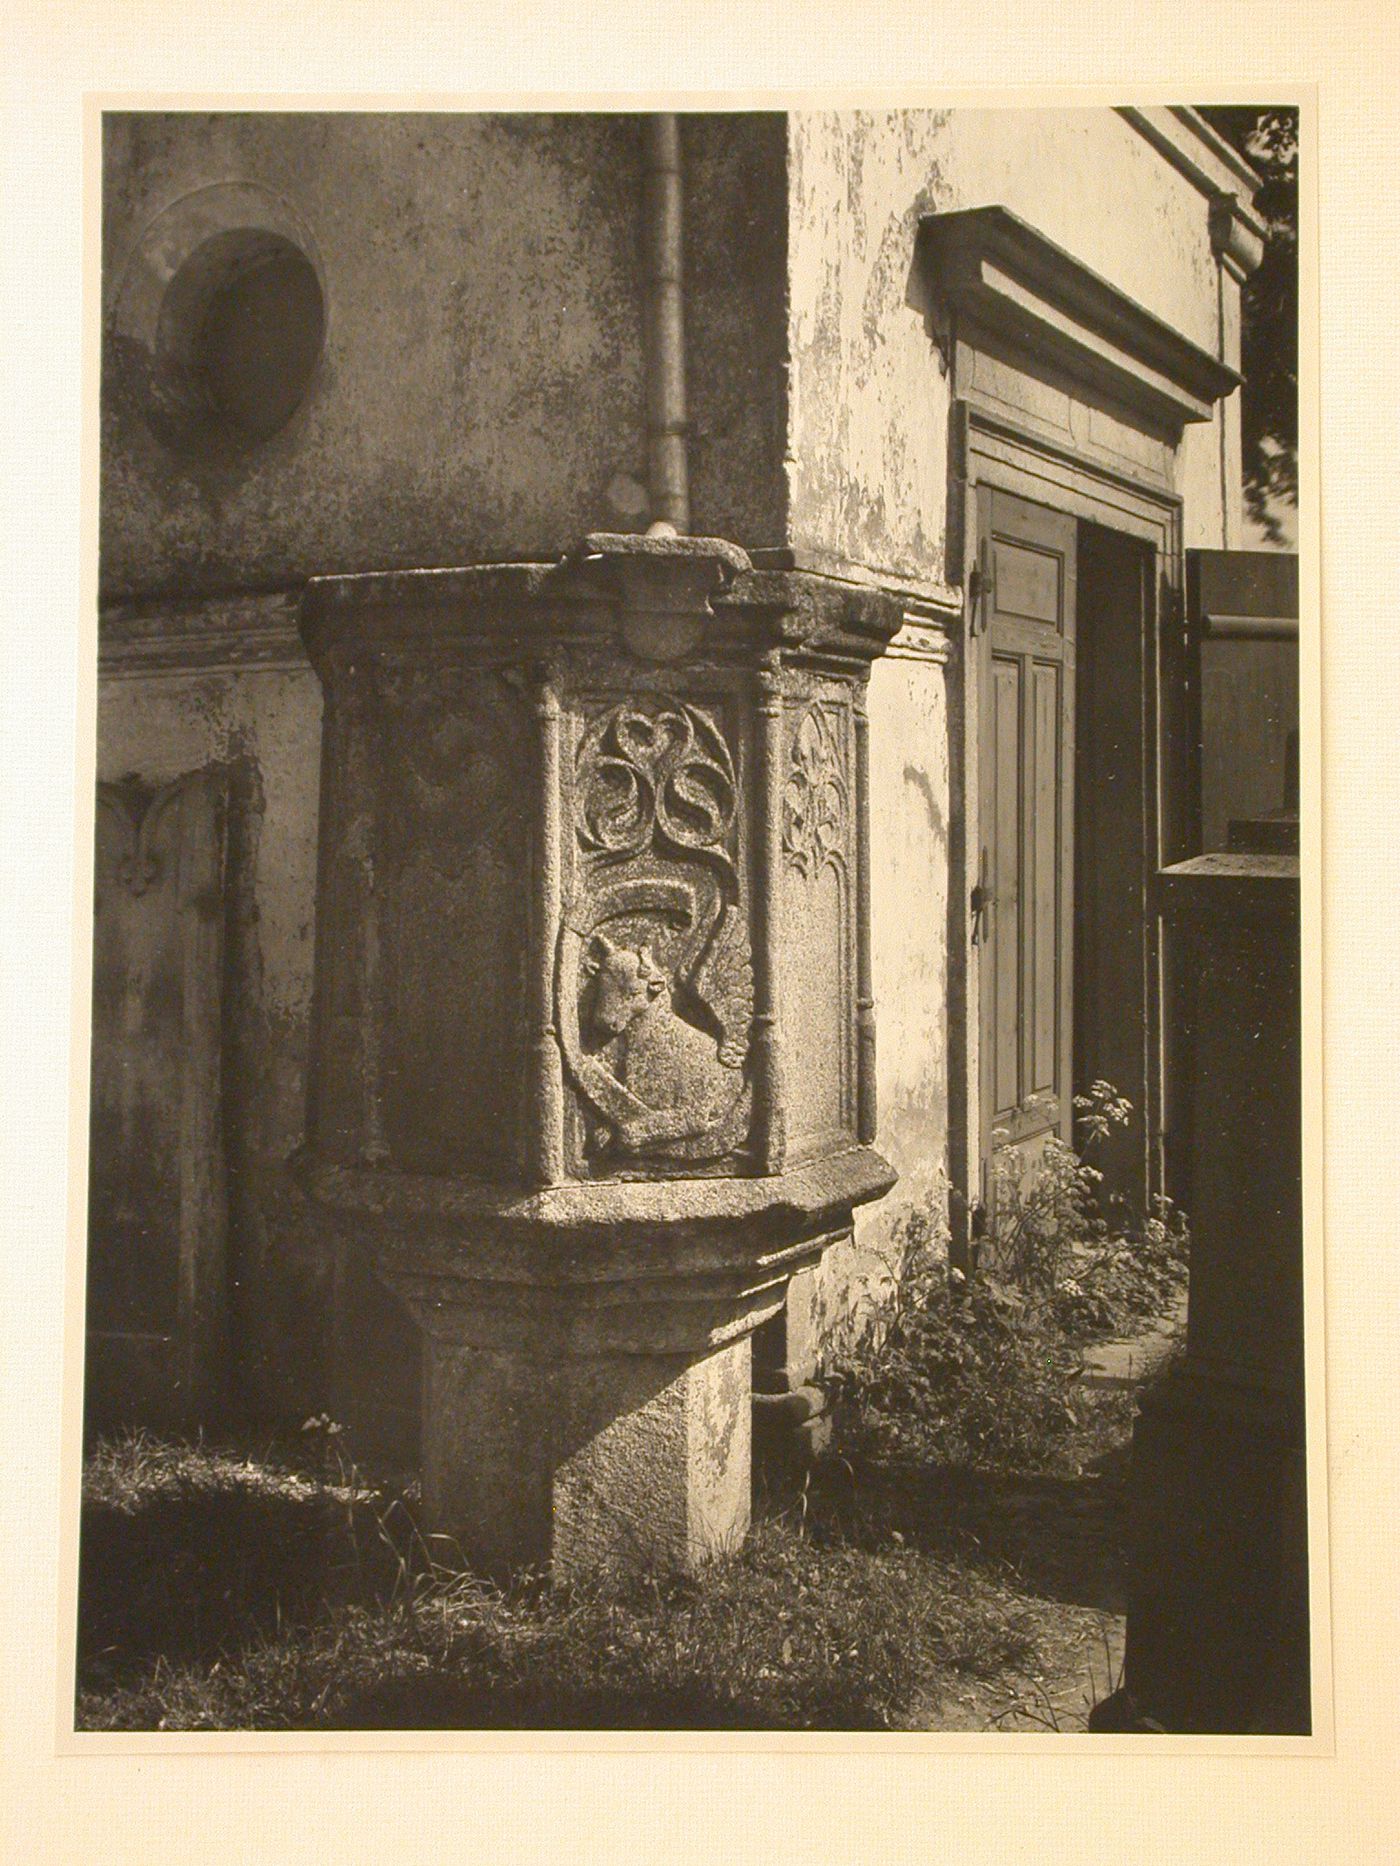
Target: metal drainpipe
665,328
1220,416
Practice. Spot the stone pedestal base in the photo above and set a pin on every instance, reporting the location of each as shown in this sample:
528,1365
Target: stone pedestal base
587,1349
587,1462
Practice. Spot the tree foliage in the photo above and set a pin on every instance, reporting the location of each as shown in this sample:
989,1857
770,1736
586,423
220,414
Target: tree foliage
1268,139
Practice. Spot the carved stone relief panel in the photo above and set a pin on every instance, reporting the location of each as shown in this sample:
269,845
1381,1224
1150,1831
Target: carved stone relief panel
655,976
450,918
816,918
816,794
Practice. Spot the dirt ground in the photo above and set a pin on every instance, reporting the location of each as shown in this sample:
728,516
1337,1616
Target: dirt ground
1065,1540
1083,1664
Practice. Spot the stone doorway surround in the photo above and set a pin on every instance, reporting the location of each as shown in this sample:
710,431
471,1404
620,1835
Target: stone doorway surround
1067,393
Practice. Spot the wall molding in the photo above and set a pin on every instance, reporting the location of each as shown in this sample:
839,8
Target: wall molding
178,636
1031,298
141,640
933,612
1184,138
918,593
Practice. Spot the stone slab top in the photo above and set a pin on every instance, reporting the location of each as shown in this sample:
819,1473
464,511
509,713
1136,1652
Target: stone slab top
487,611
661,545
598,1231
1233,865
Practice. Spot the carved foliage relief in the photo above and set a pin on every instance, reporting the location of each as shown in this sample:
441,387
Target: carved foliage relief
815,807
655,978
817,982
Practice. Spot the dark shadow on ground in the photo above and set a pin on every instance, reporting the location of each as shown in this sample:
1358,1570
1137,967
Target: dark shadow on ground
194,1578
466,1703
1061,1538
191,1577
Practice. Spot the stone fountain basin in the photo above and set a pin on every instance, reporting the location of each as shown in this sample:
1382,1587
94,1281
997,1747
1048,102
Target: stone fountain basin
602,1267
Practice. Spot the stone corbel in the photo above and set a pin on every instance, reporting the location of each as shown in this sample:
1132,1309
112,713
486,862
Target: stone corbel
664,584
1236,235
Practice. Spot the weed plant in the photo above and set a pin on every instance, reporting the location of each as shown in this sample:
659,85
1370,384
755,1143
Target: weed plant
982,1370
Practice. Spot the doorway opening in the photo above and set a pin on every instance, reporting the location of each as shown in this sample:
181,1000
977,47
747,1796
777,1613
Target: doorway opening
1114,854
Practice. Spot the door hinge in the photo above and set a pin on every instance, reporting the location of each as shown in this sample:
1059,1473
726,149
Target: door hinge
982,899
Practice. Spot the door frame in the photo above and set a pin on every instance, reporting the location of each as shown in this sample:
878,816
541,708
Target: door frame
987,448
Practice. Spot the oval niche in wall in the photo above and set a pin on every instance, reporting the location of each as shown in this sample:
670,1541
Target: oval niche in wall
217,322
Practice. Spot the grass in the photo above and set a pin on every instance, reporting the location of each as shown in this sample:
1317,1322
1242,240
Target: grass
225,1593
222,1591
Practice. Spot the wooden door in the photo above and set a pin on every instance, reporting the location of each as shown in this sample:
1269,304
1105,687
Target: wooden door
1023,905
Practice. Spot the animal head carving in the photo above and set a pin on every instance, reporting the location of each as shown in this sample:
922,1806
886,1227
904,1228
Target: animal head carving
625,984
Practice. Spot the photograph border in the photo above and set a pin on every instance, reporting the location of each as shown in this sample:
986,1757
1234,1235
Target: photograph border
888,1804
1320,1742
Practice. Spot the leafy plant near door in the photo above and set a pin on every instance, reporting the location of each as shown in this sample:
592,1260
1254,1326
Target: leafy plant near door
1039,1218
983,1370
1094,1266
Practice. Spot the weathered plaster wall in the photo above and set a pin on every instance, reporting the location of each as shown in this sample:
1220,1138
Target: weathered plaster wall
1198,480
909,904
481,390
870,390
736,213
868,405
265,725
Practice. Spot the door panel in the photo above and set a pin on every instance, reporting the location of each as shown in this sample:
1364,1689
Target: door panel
1028,554
1027,583
1002,965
